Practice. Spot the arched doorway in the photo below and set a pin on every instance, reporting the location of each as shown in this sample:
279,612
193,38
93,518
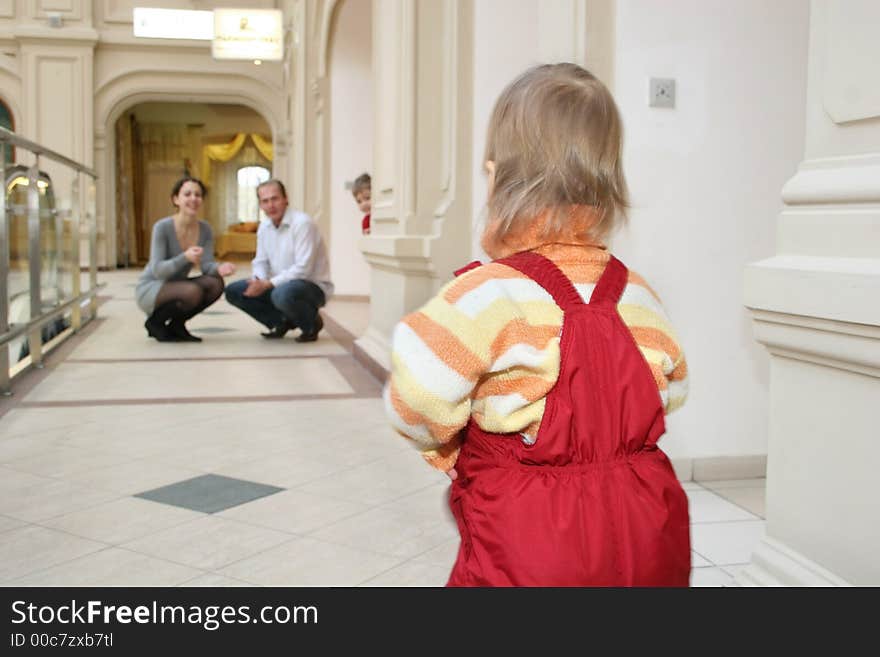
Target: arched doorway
121,92
156,143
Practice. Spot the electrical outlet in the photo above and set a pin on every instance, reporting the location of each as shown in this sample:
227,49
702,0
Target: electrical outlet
661,92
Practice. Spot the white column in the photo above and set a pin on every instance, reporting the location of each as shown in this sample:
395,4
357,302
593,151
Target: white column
420,226
816,308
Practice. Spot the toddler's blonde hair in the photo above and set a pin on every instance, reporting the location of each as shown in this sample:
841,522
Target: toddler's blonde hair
555,137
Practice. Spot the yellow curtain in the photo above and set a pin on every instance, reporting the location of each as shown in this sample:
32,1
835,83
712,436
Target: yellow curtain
263,145
225,152
221,153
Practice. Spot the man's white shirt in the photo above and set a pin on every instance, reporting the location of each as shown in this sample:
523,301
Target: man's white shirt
293,250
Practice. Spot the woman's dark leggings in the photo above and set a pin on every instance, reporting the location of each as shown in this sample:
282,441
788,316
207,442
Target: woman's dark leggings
182,300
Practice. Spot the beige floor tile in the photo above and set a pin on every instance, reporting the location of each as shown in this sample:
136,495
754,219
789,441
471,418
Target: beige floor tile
213,580
443,555
393,531
7,523
122,336
697,561
377,482
55,498
294,512
29,549
706,506
60,462
411,573
734,571
135,476
710,577
111,567
22,447
210,454
28,422
727,543
308,562
14,481
208,543
153,380
285,470
122,520
750,499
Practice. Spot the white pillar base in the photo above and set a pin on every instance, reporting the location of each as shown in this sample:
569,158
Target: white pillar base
774,564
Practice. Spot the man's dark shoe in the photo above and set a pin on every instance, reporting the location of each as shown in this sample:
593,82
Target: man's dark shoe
313,334
277,332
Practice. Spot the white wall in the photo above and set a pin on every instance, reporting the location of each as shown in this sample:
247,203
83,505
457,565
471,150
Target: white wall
705,179
502,50
351,147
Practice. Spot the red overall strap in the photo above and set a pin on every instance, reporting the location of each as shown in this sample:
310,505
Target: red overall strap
611,284
468,267
547,275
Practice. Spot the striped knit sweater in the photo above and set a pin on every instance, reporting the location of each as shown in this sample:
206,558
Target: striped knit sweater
487,347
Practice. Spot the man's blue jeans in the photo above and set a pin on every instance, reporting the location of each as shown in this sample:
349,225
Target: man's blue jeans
295,302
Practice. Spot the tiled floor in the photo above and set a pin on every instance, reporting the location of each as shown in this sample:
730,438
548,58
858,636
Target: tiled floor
114,415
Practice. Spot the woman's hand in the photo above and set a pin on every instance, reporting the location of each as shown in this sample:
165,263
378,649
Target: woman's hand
193,254
452,474
225,269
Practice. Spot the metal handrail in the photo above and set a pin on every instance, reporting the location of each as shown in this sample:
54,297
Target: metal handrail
47,316
9,137
82,207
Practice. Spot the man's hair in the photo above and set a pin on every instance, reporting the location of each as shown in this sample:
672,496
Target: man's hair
361,183
555,137
272,181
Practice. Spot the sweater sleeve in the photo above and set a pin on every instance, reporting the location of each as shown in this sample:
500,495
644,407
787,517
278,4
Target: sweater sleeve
162,264
642,312
438,354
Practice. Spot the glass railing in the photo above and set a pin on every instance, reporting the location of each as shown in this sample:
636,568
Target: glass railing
48,209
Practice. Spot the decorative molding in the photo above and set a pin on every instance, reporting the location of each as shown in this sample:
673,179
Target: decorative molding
76,35
399,246
7,8
113,11
114,36
72,9
838,289
327,14
774,564
842,231
841,345
449,107
850,91
851,179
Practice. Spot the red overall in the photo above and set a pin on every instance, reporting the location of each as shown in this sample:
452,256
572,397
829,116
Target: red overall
594,501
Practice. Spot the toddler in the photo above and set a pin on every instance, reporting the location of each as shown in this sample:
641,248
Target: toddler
539,382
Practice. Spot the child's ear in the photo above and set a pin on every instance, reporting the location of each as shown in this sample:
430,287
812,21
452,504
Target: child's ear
490,176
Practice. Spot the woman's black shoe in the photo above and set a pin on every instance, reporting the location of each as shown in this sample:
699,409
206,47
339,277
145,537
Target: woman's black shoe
158,330
178,330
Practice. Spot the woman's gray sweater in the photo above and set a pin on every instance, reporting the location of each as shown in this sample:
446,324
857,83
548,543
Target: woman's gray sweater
168,262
